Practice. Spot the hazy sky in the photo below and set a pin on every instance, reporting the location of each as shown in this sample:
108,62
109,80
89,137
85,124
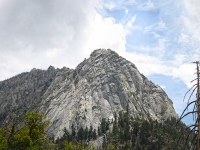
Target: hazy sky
160,38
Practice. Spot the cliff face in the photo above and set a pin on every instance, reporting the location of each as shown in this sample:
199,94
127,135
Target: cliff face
22,92
101,85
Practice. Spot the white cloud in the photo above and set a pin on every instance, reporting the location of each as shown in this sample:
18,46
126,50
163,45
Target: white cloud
105,33
129,26
157,50
126,11
190,35
117,5
147,65
40,33
186,72
179,59
62,33
147,6
163,86
159,26
183,38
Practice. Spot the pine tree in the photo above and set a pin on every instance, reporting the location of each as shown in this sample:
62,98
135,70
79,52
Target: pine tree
90,133
30,136
86,133
80,134
99,131
73,131
94,134
115,129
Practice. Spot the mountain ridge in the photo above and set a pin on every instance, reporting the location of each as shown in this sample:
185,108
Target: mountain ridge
98,87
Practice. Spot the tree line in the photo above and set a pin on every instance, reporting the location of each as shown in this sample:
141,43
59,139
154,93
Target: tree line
122,133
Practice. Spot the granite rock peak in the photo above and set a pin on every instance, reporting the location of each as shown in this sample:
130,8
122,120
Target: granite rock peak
98,87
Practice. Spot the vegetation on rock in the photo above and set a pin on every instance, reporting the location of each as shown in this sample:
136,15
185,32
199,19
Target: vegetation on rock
122,133
128,133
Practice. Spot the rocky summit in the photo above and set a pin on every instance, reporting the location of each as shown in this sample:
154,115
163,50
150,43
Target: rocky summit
98,87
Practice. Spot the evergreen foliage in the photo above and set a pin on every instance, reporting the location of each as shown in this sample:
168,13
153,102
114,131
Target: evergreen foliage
138,134
31,136
122,133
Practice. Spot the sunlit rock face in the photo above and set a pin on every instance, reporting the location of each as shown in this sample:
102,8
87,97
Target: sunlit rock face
100,86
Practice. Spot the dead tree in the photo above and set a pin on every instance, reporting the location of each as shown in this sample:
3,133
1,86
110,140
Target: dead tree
194,129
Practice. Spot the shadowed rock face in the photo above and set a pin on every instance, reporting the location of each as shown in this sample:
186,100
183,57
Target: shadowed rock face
22,92
99,86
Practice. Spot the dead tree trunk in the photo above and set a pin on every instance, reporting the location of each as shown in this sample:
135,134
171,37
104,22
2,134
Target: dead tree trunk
195,130
198,103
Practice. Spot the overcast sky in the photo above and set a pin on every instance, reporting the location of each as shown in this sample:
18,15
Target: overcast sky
161,38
